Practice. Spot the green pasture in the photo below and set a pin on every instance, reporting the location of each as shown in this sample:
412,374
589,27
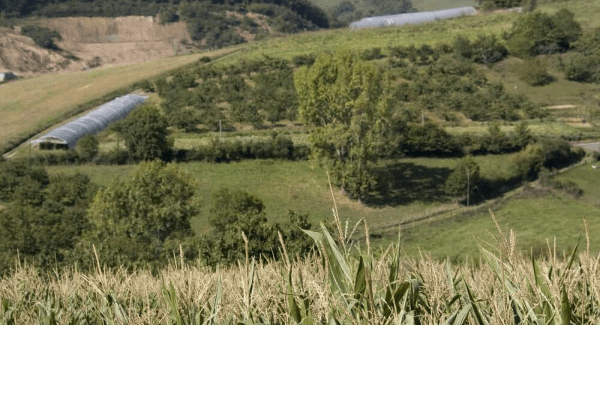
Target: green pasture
416,187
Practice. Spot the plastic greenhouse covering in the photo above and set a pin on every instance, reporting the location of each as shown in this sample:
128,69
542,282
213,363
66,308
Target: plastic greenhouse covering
93,122
411,18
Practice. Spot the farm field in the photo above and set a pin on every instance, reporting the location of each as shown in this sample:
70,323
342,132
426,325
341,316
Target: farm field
46,98
534,214
28,104
416,190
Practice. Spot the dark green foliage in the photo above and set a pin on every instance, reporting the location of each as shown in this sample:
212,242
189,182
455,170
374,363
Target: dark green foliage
235,214
345,11
566,186
546,153
487,49
15,175
584,65
242,111
503,3
186,119
464,179
143,216
45,218
304,59
538,33
534,72
275,94
427,140
87,147
372,54
145,134
276,147
43,37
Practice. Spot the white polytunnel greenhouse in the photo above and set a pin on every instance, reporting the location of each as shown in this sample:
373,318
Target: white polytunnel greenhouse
411,18
93,122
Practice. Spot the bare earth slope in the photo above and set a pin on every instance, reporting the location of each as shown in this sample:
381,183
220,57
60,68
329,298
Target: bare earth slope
122,40
22,56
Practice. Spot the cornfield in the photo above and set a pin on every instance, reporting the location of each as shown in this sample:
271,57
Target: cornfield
341,282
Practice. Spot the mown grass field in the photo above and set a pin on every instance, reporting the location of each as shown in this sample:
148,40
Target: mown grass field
535,214
27,104
416,190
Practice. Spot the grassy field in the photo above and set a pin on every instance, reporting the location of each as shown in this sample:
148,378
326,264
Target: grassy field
28,104
535,215
416,188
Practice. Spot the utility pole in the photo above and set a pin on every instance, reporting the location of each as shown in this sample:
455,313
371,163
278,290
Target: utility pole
220,131
422,119
468,185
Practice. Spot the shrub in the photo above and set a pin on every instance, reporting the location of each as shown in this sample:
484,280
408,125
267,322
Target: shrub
539,33
43,37
87,147
372,54
304,59
144,131
534,72
583,68
487,49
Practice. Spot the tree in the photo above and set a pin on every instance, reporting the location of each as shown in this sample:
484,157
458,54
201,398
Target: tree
87,147
234,212
145,134
539,33
464,178
141,213
45,222
345,103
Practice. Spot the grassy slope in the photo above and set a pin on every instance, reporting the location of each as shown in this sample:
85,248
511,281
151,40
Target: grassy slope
29,103
302,187
535,216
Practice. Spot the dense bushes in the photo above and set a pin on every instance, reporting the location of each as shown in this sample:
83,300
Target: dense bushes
144,131
534,72
43,217
43,37
538,33
546,153
428,140
276,147
584,65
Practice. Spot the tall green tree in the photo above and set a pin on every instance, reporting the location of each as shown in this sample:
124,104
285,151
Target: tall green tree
464,178
145,134
140,214
345,104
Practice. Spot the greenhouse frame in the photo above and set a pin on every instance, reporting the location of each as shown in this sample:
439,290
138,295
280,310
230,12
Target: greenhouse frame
412,18
91,123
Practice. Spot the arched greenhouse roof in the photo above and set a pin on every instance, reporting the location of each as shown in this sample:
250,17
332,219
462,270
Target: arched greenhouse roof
93,122
411,18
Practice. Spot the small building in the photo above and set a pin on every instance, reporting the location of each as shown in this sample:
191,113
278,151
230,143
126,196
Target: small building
7,76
